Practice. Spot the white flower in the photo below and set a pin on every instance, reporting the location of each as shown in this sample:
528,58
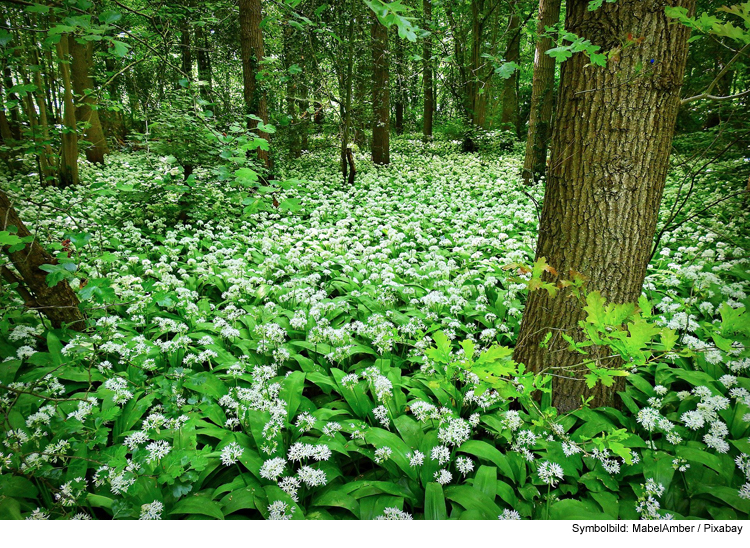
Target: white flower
135,439
383,454
381,413
441,454
305,422
231,453
416,458
464,465
311,477
648,418
331,428
157,450
391,513
443,477
151,511
272,468
455,432
550,472
509,515
693,420
277,510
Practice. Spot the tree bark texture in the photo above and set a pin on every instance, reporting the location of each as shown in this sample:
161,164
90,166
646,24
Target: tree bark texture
429,98
203,56
82,63
68,168
610,152
509,117
380,94
59,303
251,44
542,86
400,93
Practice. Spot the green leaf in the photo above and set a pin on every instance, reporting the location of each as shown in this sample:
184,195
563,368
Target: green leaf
434,502
472,499
109,16
485,451
486,480
198,504
560,54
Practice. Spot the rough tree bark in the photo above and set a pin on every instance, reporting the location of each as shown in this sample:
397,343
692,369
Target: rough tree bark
380,94
59,303
68,168
251,45
203,55
543,83
509,117
429,99
400,93
290,55
82,62
610,152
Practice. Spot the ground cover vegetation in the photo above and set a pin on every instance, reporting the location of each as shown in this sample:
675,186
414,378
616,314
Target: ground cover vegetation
437,260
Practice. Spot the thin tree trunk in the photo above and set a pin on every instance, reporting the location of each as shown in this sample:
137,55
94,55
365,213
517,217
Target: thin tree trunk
380,94
290,54
185,49
543,84
203,55
429,97
510,118
347,107
610,153
251,42
399,106
68,168
59,303
82,56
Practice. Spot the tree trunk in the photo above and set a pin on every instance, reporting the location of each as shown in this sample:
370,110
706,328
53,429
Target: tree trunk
185,51
203,56
399,106
251,42
610,153
543,83
380,94
346,108
82,56
509,118
472,81
291,54
59,303
68,168
429,98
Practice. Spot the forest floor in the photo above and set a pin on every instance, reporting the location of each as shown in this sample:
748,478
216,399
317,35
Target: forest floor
252,327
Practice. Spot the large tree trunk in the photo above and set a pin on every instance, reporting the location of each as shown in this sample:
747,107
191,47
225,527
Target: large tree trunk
543,83
510,118
610,153
83,85
59,303
429,98
68,168
380,95
251,43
